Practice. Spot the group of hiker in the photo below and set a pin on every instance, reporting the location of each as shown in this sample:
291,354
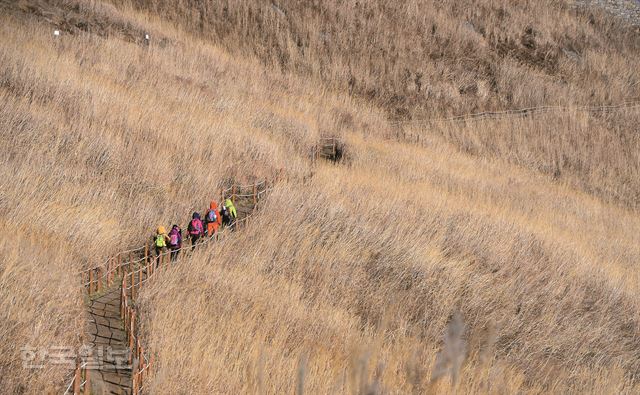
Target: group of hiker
198,229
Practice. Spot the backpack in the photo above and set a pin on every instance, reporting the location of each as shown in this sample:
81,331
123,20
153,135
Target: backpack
195,227
160,242
212,216
173,239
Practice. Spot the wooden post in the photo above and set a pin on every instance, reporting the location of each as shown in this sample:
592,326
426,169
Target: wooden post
133,285
129,333
136,285
113,269
107,273
122,297
90,281
140,364
120,265
131,324
77,378
255,194
87,382
99,279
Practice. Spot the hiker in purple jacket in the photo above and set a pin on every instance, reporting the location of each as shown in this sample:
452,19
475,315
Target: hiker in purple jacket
195,229
175,242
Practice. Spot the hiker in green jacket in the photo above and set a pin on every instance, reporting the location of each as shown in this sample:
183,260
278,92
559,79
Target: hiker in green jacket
160,242
231,209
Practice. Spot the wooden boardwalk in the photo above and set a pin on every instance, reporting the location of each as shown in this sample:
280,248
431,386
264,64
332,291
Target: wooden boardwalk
108,368
110,364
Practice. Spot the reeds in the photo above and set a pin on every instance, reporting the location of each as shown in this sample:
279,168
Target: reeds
349,277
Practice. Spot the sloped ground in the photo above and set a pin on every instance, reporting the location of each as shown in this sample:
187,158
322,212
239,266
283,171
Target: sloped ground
108,368
352,282
106,139
428,58
348,281
423,59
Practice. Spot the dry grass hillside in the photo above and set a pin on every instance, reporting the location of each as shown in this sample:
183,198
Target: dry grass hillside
497,257
358,279
423,59
426,57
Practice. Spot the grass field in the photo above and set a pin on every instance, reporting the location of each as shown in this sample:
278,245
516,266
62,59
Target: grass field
495,257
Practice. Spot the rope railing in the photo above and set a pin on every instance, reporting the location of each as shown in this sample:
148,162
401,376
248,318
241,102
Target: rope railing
401,133
135,267
519,113
133,250
97,277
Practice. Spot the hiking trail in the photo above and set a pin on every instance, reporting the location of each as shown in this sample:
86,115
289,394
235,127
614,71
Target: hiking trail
113,361
107,336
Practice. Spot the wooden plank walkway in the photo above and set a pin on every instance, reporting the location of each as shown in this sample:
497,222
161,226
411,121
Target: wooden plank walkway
109,369
110,365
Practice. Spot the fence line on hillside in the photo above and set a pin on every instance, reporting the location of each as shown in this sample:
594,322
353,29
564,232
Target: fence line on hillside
135,267
521,113
402,135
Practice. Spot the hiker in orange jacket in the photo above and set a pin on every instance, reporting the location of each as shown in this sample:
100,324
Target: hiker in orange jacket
212,219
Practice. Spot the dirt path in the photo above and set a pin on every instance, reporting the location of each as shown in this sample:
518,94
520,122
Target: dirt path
111,372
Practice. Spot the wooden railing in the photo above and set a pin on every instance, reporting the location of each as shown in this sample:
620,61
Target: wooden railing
133,268
401,134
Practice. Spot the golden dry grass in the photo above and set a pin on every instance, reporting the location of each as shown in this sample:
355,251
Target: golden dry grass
425,58
428,57
354,283
347,281
597,152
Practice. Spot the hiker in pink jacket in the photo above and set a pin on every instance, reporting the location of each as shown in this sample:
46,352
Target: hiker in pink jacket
175,242
195,229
